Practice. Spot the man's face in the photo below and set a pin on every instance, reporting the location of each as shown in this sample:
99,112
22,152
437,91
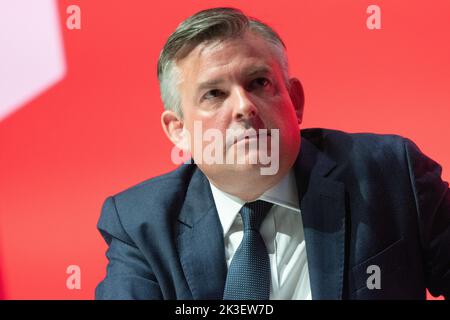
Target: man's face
238,84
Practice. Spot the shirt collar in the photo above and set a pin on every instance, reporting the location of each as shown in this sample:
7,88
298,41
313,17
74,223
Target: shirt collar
283,194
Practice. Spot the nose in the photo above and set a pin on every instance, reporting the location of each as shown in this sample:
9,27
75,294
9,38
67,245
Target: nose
243,106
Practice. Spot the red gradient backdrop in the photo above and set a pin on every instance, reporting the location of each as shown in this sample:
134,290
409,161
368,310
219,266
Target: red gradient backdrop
97,131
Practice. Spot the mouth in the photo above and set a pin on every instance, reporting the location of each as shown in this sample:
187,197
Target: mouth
246,135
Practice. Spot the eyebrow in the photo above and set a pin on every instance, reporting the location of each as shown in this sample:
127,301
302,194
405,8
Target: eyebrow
209,84
248,72
258,70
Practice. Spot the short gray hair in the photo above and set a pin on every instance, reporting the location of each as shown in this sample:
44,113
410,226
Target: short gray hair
211,24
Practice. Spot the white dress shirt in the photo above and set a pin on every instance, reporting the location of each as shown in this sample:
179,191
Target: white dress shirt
282,232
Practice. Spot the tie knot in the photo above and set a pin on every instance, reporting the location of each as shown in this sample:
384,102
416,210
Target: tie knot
253,213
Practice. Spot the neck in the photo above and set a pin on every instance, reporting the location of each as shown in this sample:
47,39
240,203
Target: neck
246,189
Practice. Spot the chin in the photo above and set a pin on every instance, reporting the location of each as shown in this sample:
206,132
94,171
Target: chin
246,168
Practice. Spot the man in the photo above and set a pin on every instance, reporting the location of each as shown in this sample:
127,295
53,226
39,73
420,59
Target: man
343,216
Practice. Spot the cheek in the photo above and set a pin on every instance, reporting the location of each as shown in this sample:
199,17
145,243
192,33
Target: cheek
281,114
214,120
198,125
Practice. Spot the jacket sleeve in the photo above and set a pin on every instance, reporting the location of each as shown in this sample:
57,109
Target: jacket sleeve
128,274
432,198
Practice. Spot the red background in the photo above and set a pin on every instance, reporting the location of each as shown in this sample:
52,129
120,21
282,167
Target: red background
98,131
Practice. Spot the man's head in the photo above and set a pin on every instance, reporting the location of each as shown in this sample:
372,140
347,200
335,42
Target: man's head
229,72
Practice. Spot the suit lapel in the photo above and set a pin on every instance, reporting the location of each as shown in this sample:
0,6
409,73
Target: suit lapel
200,241
322,203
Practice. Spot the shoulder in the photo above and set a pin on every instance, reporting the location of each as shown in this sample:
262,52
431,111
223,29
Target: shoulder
159,187
341,146
152,201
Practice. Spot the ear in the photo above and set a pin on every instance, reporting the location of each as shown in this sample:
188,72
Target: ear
174,129
297,97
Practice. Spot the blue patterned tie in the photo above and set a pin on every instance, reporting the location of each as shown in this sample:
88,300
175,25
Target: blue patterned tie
248,276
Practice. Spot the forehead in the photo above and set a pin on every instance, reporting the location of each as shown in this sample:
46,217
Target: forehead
213,58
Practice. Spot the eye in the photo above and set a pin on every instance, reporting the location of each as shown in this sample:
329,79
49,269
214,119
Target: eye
212,94
259,83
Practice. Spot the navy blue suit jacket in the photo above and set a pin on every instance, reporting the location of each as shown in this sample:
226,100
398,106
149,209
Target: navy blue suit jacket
365,200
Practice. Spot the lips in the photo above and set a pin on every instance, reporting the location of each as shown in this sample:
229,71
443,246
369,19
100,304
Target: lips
240,135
